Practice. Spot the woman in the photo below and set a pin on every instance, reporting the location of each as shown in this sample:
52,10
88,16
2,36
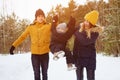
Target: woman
84,51
39,32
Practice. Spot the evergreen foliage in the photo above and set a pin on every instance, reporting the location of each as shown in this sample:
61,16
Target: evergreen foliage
108,42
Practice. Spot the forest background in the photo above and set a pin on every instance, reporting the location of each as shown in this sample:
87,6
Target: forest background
108,43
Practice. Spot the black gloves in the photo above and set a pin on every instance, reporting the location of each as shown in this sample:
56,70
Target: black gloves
11,50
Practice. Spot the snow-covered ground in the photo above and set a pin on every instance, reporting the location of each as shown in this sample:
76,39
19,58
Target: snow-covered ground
18,67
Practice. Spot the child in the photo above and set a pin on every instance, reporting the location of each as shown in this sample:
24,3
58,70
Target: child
60,35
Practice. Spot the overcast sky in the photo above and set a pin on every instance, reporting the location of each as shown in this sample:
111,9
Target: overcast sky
27,8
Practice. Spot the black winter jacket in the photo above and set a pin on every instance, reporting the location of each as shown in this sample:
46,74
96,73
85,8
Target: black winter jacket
63,38
83,46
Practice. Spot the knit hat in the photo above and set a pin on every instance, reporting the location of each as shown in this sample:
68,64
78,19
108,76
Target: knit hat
92,17
62,26
39,12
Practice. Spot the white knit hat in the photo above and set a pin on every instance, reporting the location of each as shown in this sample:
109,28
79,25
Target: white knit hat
62,26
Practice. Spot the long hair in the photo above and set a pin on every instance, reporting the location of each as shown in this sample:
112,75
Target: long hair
82,28
93,28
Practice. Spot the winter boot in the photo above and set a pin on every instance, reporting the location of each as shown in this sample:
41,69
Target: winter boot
71,67
61,54
58,55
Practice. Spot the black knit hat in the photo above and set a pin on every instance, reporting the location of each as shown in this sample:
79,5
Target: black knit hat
39,12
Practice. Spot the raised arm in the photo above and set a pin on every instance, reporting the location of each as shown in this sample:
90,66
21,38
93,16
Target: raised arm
54,24
71,27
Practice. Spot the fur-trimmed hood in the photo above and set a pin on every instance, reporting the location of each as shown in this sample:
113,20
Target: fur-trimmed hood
96,28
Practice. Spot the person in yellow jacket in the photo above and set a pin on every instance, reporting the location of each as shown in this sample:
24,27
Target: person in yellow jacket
39,32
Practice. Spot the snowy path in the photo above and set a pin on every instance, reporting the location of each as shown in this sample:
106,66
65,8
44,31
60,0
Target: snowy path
18,67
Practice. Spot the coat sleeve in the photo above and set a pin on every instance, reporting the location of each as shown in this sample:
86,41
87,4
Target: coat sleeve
54,24
71,28
83,40
53,27
21,38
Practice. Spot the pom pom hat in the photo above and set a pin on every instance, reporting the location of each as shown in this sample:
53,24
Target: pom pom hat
92,17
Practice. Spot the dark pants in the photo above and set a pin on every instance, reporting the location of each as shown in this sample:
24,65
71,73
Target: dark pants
69,57
55,47
40,61
90,73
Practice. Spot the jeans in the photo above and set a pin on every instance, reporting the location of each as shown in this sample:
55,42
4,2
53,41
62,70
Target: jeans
40,61
55,47
90,73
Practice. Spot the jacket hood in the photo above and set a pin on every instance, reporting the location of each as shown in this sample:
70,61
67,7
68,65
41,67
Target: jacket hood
96,28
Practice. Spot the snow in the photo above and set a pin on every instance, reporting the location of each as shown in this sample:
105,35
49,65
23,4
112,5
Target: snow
18,67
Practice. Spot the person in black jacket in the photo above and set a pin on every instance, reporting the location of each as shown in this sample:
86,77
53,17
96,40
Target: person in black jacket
59,38
84,51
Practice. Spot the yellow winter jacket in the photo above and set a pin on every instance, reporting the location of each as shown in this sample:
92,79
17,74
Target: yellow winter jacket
39,35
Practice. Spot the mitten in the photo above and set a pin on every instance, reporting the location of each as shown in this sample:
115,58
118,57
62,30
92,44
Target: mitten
11,50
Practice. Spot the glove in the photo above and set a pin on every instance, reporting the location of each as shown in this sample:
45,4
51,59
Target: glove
55,18
11,50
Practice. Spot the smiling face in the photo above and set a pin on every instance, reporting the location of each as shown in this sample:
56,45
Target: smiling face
61,28
87,25
40,18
